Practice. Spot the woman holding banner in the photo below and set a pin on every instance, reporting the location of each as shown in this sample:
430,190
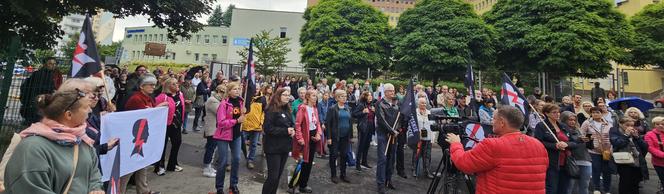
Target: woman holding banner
42,161
278,131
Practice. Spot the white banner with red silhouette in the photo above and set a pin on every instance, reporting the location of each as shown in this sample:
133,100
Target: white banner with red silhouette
142,134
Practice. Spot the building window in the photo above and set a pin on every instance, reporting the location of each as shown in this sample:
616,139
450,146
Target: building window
150,37
625,78
198,39
133,54
214,57
283,32
215,39
205,57
161,38
173,56
195,56
207,39
224,39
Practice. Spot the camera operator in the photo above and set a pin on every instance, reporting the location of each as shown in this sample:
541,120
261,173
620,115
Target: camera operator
511,163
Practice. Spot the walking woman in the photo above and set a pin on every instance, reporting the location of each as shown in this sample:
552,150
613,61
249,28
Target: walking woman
656,148
230,115
211,106
557,179
599,130
42,161
308,133
580,153
278,132
365,115
626,138
339,131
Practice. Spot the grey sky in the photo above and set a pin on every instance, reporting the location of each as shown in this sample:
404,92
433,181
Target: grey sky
279,5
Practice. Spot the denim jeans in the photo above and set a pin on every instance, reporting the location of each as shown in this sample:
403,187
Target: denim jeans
210,146
253,137
582,182
184,123
601,167
385,164
222,150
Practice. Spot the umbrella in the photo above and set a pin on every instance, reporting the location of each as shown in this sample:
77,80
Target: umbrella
296,175
194,70
639,103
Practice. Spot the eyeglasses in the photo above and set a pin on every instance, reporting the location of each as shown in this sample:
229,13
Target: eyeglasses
81,94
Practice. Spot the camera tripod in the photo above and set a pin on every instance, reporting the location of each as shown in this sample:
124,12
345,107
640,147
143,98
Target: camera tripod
449,178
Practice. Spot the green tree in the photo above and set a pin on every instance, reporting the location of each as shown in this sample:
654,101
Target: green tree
228,15
68,49
561,37
344,37
441,37
36,22
41,54
269,52
216,19
108,50
649,40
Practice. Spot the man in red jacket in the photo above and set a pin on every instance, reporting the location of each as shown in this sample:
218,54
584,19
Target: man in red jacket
511,163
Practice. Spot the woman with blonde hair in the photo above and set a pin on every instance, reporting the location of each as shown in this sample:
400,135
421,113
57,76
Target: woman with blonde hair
210,126
654,140
640,123
584,112
308,133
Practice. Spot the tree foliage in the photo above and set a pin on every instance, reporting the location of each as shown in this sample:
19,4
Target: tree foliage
36,21
216,19
228,15
440,37
108,50
269,52
344,36
42,54
649,27
562,37
69,48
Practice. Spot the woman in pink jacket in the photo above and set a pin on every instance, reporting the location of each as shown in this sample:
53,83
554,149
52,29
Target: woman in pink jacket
230,116
308,133
172,95
654,139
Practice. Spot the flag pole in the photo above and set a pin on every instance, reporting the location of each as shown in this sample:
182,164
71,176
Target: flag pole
390,136
544,122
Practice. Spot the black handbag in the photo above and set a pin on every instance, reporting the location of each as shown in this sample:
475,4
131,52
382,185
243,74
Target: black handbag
571,167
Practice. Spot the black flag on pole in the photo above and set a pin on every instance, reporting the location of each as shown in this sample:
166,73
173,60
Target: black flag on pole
86,58
114,182
250,77
511,96
408,111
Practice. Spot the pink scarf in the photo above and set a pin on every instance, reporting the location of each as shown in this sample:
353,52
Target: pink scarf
55,131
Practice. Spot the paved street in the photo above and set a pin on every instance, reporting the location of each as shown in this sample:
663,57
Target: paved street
192,181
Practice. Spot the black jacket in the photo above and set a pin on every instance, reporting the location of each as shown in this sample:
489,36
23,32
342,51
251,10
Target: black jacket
386,116
621,142
275,130
581,151
543,134
362,119
332,123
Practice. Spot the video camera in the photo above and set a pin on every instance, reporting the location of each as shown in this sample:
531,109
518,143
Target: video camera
445,124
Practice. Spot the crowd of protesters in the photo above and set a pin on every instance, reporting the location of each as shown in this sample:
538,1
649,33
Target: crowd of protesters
557,148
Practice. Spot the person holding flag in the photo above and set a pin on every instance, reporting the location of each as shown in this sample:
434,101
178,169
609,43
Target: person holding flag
388,120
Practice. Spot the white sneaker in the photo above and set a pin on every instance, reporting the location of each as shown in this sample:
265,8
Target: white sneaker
597,192
207,172
161,172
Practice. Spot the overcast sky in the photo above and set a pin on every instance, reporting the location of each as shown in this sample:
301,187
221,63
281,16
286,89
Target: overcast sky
279,5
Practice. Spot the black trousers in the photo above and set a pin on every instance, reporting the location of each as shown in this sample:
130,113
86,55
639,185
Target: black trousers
363,146
338,150
172,133
401,142
306,166
630,177
199,112
275,167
